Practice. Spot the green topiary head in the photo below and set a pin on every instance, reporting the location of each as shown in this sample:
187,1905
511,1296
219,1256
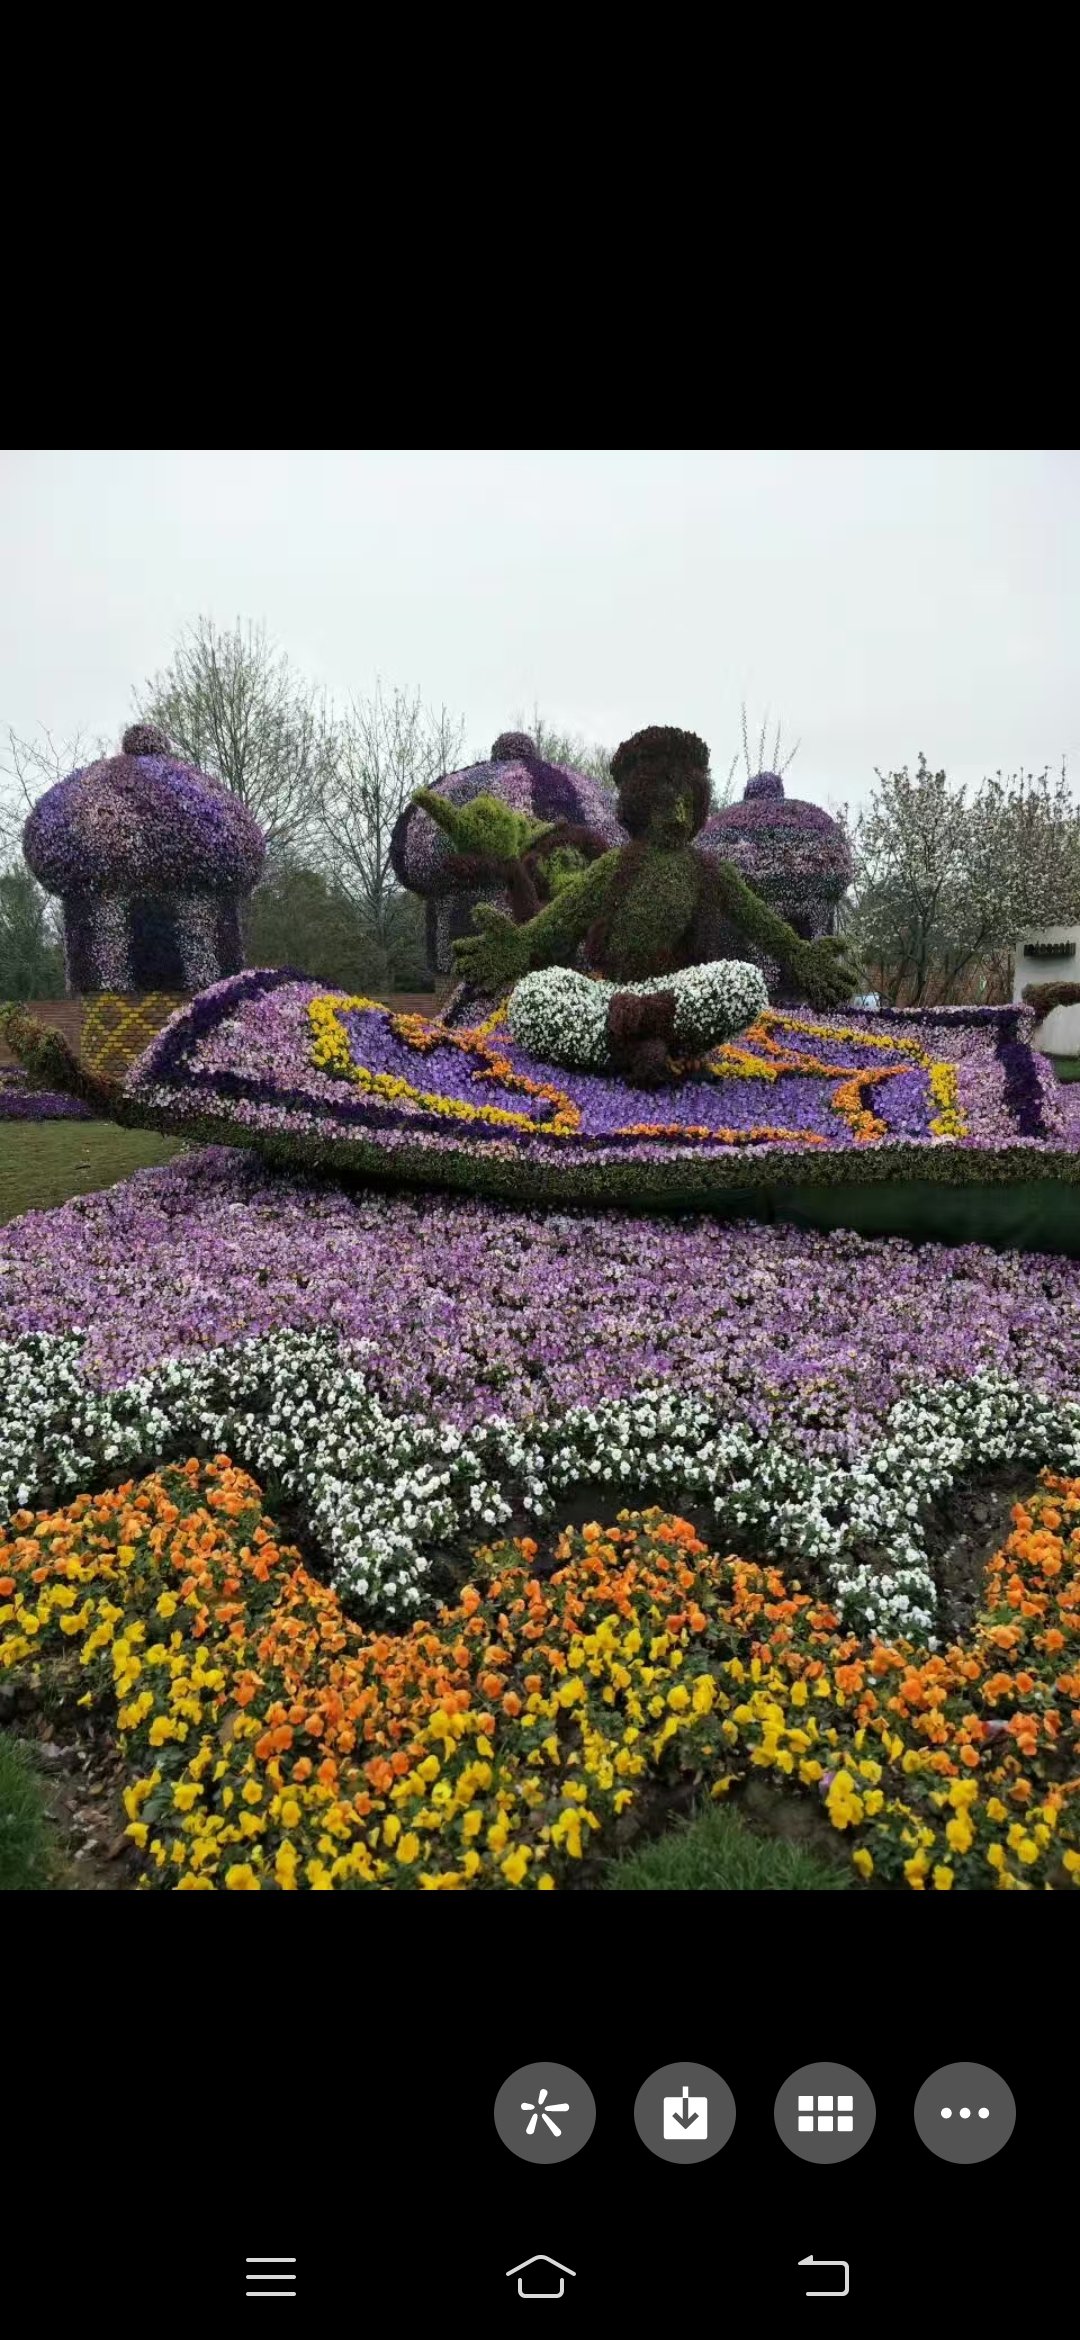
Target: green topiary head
662,776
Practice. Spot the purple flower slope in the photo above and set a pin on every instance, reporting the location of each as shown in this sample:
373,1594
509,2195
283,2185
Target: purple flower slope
471,1308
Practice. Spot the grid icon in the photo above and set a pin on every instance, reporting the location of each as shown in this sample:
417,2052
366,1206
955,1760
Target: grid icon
832,2113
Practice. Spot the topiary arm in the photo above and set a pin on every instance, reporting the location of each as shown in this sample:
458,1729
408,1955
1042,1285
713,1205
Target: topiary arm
50,1060
824,967
501,951
446,816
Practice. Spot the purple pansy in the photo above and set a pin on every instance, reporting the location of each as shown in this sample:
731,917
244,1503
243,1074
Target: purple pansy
471,1308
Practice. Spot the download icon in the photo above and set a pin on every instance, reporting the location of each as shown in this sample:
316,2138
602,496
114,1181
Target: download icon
686,2116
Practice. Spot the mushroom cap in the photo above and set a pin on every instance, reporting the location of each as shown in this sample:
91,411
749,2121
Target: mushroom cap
142,822
779,837
420,851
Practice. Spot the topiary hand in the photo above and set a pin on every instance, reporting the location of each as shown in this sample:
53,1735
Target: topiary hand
497,955
825,970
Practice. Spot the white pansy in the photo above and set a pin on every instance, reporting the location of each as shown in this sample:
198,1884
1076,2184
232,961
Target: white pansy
380,1488
560,1015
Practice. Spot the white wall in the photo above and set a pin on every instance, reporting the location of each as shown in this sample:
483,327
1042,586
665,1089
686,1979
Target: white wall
1059,1032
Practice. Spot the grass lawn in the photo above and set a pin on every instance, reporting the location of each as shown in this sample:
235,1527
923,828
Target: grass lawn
27,1864
43,1162
716,1852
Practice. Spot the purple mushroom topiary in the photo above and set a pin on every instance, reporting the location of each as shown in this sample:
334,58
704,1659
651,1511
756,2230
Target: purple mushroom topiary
151,859
422,854
794,854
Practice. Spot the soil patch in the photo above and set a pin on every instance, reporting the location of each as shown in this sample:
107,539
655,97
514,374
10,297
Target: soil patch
77,1758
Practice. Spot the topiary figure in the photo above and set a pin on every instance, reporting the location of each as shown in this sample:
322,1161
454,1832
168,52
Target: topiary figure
495,845
425,859
654,907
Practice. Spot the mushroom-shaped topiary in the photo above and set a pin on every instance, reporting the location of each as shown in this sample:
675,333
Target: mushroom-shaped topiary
151,859
794,854
432,862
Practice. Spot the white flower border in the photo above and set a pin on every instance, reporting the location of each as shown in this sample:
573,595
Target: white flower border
382,1490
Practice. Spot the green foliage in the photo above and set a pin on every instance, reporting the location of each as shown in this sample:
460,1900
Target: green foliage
500,951
31,958
51,1061
27,1862
301,919
716,1852
485,825
560,867
653,913
826,970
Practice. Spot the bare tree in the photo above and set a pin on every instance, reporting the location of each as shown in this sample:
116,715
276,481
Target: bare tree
387,747
774,764
30,766
232,704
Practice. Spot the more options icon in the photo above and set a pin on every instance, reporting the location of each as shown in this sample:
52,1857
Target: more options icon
684,2112
965,2112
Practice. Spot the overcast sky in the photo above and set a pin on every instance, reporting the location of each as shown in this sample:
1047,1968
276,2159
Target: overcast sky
877,602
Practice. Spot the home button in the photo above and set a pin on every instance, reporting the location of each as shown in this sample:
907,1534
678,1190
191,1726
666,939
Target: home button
540,2277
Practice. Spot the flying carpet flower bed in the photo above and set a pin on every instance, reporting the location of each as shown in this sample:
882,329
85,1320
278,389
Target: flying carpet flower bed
275,1744
956,1098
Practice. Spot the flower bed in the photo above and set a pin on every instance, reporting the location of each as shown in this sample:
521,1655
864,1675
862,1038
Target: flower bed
947,1125
274,1744
412,1371
265,1056
19,1101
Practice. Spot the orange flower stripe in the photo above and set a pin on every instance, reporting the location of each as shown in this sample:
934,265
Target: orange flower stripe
272,1741
732,1059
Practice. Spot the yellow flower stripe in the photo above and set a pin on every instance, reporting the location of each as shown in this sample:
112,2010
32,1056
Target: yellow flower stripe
273,1743
847,1096
331,1053
950,1121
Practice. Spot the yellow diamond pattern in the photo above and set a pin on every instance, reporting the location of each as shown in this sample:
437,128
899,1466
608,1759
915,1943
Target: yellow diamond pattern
117,1027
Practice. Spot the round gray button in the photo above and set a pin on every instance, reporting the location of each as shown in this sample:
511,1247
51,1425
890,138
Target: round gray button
684,2112
825,2112
965,2112
545,2113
